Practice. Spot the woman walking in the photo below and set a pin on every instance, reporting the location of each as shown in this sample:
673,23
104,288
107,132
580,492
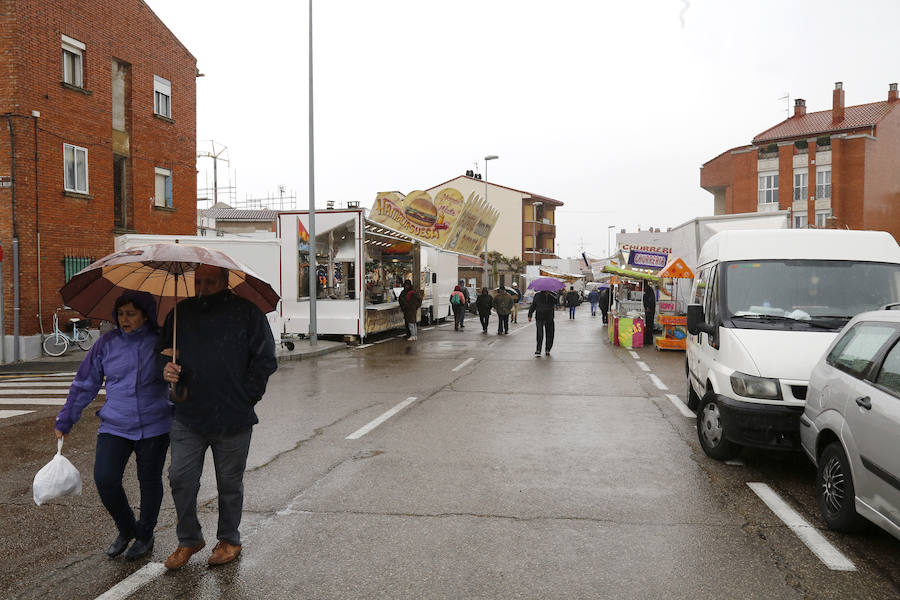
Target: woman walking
458,304
483,303
410,301
135,418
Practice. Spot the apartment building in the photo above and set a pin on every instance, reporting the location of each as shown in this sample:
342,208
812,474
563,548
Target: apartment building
97,138
830,168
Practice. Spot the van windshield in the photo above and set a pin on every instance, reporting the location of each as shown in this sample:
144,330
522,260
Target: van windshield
805,294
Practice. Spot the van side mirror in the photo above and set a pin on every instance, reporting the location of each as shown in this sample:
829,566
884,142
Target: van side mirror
696,320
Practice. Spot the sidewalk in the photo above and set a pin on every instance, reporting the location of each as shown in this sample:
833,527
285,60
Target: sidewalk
70,361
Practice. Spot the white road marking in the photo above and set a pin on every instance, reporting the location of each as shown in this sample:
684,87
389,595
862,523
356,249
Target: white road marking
634,354
809,535
518,329
383,341
6,414
364,346
492,344
643,366
735,462
134,582
399,336
463,364
427,328
376,422
657,381
58,401
27,384
681,406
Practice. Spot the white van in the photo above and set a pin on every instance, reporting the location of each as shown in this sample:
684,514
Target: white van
766,304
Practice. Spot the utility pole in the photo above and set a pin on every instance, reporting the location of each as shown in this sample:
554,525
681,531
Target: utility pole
215,154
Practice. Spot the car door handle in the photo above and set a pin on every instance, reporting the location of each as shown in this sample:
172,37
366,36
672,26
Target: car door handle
864,402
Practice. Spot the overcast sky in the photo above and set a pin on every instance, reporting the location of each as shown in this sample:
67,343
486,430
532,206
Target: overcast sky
608,107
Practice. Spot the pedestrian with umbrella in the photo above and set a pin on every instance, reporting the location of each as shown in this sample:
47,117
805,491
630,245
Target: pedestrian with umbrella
542,308
135,419
217,350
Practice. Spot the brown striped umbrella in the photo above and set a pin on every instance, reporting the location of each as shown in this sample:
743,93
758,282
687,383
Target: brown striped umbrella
166,271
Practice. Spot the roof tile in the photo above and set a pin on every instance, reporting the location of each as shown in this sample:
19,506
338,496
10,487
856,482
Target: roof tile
817,123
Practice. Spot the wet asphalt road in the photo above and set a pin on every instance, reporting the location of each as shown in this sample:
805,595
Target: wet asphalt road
508,476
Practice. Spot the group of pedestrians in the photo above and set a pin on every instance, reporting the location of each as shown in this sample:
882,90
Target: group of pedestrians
599,296
504,303
225,355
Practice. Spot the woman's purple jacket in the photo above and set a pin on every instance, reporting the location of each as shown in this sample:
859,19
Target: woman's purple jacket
137,399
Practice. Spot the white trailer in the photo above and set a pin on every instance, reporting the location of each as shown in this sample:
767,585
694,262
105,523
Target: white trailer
358,262
689,237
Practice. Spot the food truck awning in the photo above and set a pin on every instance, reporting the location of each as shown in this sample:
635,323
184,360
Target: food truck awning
676,269
629,274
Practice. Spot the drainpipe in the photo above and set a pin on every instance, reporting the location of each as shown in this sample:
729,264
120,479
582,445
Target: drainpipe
37,229
15,243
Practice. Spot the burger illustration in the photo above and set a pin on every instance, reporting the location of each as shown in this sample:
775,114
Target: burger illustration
420,210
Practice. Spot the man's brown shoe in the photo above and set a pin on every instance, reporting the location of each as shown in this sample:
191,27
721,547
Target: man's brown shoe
182,555
224,553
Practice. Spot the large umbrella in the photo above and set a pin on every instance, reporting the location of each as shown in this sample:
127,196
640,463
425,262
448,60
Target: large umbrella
546,284
166,271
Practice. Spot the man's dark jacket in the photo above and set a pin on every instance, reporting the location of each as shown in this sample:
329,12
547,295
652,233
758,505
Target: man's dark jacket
542,306
227,353
573,298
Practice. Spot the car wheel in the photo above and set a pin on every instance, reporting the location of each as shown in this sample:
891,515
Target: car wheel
711,431
835,492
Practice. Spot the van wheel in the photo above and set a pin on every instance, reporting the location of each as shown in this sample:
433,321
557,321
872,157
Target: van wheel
835,492
711,431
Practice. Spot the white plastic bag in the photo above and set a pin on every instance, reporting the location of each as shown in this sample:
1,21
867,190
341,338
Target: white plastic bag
57,478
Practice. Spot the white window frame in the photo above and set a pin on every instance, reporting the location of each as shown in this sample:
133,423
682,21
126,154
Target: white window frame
823,183
76,49
800,220
822,219
163,200
801,185
768,188
162,88
80,185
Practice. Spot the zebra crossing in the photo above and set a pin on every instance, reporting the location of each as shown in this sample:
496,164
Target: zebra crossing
25,391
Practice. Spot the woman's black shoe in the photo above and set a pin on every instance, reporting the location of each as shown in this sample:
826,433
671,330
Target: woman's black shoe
118,546
139,549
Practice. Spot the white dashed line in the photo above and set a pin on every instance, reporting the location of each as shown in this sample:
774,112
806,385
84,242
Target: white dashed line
809,535
657,381
376,422
681,406
134,582
463,364
634,354
6,414
643,366
58,401
427,328
364,346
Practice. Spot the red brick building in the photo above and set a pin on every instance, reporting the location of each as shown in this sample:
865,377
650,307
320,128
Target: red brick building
97,138
831,168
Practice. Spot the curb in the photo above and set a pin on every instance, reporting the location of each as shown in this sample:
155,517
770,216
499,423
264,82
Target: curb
311,354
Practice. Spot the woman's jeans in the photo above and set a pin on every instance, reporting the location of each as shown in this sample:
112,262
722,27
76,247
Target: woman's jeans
112,456
459,310
571,312
593,309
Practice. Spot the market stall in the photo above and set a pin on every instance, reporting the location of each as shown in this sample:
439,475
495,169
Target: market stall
626,312
672,316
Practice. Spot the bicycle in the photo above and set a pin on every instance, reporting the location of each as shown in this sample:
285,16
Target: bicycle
56,343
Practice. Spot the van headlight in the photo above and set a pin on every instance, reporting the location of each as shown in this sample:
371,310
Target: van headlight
749,386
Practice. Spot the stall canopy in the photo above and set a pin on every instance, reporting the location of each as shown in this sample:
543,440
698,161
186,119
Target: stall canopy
629,274
676,269
567,277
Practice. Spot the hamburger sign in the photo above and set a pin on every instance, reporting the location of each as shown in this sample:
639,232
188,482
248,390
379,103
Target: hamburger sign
447,220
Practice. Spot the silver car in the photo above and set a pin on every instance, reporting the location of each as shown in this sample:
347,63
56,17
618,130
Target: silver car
850,427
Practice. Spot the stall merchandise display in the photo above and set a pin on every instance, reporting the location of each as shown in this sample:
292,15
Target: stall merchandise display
673,321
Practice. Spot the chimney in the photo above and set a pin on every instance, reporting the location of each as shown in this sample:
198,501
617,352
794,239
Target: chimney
799,107
837,102
892,93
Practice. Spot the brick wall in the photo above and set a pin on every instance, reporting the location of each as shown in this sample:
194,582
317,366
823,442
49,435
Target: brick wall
882,178
125,30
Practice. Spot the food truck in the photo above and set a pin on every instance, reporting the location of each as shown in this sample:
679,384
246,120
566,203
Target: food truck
360,269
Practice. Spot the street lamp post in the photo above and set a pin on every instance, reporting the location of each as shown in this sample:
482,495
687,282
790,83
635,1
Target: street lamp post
486,159
534,207
313,277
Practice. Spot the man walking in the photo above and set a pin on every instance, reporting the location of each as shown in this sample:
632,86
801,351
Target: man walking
594,299
649,312
465,293
503,304
572,300
225,355
604,302
542,307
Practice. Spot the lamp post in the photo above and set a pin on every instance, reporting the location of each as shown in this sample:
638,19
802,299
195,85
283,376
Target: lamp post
534,207
313,277
608,244
486,159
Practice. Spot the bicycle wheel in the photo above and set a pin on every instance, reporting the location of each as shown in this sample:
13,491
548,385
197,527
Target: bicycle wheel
55,344
84,338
